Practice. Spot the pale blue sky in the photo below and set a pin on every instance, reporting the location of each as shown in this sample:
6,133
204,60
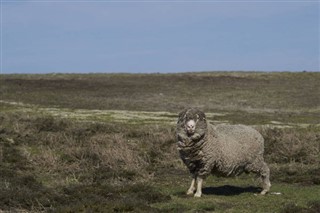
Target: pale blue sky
159,36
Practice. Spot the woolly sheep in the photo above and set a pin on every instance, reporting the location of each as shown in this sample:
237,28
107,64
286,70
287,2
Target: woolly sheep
222,150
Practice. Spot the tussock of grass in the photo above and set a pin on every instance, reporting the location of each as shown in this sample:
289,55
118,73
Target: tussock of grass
298,145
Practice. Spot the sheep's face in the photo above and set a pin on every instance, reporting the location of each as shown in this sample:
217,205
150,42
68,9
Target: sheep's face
190,127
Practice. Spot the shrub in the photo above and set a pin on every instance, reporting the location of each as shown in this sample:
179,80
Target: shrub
292,145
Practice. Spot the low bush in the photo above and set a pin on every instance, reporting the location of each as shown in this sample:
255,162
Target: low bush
292,145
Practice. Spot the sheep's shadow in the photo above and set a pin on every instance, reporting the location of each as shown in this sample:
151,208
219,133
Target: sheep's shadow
228,190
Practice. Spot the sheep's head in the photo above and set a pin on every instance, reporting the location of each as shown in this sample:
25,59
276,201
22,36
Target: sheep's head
192,120
190,127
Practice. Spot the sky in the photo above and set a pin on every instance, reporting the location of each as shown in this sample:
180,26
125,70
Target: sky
70,36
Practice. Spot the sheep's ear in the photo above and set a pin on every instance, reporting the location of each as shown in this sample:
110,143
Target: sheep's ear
182,116
202,116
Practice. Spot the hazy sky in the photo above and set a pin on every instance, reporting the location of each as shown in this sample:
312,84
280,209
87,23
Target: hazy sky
159,36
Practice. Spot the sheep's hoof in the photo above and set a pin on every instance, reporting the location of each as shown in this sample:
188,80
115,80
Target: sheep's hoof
263,192
197,195
189,192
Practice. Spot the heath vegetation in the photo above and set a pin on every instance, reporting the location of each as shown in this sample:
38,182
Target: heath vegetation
67,148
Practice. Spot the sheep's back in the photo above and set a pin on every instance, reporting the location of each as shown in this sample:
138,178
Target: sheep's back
234,146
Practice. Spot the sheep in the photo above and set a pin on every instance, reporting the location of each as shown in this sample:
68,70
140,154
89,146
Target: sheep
221,150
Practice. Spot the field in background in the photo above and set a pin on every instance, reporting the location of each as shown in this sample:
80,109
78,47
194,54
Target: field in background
105,142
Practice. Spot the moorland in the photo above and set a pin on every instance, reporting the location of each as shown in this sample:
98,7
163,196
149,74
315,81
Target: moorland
106,142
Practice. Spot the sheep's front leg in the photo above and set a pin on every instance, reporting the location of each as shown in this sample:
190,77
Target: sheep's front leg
199,187
192,187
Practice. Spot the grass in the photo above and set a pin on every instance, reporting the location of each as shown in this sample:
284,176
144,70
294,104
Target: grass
288,92
238,195
82,143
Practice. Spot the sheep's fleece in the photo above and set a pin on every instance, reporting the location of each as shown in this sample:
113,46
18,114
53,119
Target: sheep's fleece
222,150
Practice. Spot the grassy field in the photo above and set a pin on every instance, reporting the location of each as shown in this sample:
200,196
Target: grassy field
106,142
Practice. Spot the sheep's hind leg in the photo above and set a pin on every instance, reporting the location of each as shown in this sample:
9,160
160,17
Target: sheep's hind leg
192,187
262,169
265,175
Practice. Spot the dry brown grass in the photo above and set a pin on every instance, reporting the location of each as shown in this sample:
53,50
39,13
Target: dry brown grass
64,147
57,160
210,91
292,145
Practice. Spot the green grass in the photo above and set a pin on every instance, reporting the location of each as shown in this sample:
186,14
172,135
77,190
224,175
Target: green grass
238,196
106,142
